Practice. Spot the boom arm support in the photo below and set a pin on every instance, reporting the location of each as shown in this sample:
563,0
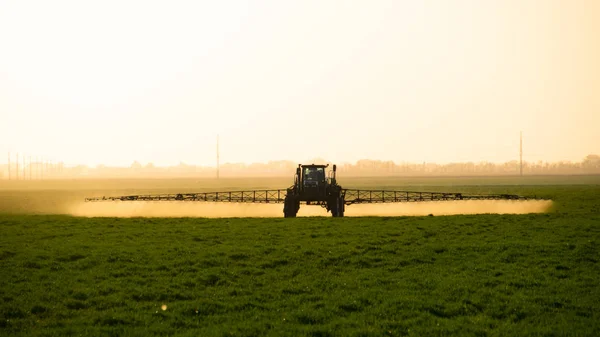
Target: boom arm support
350,196
258,196
382,196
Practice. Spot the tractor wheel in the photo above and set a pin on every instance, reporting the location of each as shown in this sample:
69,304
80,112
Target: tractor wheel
331,205
342,208
290,208
337,207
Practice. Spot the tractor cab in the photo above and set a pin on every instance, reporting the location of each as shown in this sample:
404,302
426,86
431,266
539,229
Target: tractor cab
313,175
312,181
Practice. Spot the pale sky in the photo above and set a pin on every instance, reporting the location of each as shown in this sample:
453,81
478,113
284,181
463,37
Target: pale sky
439,81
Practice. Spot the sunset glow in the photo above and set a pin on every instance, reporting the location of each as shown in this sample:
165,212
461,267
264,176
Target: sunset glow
116,81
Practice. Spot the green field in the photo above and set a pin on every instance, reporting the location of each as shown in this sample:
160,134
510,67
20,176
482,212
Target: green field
490,274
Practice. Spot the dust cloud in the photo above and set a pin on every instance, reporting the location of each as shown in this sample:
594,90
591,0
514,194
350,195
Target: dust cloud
226,210
177,209
452,208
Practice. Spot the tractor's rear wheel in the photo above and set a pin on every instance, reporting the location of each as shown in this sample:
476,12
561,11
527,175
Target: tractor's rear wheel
341,206
290,207
337,207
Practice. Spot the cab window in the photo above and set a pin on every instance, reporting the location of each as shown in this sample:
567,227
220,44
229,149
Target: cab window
314,174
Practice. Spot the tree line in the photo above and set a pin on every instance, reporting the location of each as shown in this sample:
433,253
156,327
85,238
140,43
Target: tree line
366,167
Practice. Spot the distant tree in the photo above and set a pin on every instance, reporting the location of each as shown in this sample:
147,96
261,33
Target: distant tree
592,161
136,165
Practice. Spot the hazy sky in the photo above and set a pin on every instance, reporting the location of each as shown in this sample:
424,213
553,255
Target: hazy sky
116,81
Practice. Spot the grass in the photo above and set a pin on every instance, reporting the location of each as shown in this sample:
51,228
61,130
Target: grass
534,274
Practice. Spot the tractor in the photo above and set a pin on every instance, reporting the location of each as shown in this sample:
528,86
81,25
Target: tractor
313,187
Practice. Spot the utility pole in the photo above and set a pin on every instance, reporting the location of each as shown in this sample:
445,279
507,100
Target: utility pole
17,168
24,171
521,154
29,167
217,156
8,165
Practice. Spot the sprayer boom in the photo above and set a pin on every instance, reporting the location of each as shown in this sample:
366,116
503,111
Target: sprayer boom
312,186
278,196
